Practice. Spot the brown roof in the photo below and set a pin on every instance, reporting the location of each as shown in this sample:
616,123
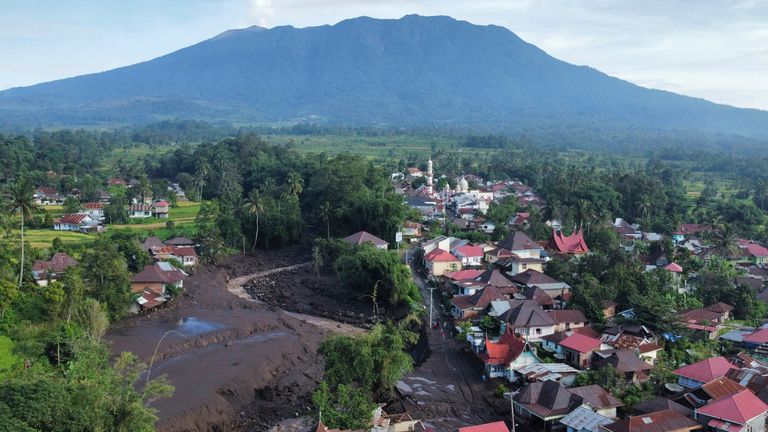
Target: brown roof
361,237
155,273
538,295
480,299
624,361
140,207
180,241
660,404
547,399
568,316
93,206
494,278
722,386
719,307
72,218
518,241
532,277
526,313
58,263
183,251
596,396
152,242
659,421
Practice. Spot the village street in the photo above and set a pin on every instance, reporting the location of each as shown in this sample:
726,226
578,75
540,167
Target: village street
446,391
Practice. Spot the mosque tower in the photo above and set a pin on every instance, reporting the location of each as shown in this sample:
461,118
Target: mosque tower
430,188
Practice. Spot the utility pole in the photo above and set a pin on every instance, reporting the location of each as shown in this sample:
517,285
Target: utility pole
512,407
430,305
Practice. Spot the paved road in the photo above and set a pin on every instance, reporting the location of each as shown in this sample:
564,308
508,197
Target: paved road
446,390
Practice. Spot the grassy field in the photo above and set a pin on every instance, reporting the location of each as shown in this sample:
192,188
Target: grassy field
42,238
7,359
182,215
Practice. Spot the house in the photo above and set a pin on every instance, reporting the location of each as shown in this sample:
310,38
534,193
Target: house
186,255
519,244
710,391
550,285
80,222
551,342
573,244
625,362
527,318
515,265
583,419
469,255
708,320
43,271
694,375
46,195
577,349
412,230
104,197
520,220
740,412
116,182
487,226
180,241
657,421
94,209
468,306
497,279
362,237
153,285
439,262
151,242
659,403
627,336
543,404
542,372
598,399
752,252
538,295
567,319
755,339
160,209
140,211
508,353
649,352
499,426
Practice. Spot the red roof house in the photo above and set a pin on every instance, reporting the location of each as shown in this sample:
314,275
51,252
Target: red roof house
54,268
573,244
734,413
696,374
440,262
673,267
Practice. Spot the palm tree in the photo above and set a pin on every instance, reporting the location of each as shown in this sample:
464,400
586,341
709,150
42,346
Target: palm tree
254,205
203,169
325,213
20,200
723,240
295,183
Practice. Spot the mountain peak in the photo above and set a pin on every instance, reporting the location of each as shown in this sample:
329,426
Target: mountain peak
413,71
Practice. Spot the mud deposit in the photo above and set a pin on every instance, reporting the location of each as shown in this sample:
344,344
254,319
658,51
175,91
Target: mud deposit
237,365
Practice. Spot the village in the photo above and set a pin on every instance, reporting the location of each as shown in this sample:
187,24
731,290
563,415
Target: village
523,336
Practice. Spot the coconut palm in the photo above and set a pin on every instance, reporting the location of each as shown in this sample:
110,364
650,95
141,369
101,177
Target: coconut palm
254,205
325,213
723,240
295,183
203,170
19,197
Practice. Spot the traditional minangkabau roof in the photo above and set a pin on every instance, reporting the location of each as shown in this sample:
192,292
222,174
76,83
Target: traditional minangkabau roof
737,408
573,244
505,350
705,370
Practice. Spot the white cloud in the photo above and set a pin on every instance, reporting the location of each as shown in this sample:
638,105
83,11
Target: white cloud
261,11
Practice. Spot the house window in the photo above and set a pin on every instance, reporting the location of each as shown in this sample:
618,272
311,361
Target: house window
525,266
538,331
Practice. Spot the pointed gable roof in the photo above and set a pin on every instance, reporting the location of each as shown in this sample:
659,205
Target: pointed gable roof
498,426
526,313
516,241
538,295
624,361
361,237
152,242
705,370
736,408
596,396
533,277
480,299
573,244
505,350
494,278
547,399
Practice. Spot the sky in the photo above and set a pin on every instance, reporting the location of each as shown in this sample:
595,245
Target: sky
716,50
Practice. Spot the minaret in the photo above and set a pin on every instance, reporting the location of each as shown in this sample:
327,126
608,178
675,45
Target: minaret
430,189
